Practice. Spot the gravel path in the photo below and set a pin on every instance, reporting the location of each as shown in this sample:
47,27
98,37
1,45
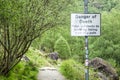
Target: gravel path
49,73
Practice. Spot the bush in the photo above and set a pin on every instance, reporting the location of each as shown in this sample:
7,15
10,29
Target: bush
75,71
22,71
71,70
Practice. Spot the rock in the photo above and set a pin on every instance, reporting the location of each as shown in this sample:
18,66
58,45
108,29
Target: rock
104,67
53,56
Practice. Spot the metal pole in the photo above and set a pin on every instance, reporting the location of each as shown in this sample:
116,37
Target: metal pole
86,45
86,59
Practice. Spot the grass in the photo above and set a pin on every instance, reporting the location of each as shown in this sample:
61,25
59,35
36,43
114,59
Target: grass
22,71
71,69
27,70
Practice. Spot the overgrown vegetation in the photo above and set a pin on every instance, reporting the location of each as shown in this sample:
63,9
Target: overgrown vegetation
46,25
28,70
73,70
22,71
21,22
106,46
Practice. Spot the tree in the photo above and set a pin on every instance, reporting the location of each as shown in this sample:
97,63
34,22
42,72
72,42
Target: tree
107,45
63,48
103,5
21,22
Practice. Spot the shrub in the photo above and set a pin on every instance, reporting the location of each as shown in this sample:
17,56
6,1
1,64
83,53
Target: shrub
75,71
23,71
71,70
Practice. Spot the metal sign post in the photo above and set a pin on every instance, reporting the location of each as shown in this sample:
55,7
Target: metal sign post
86,59
86,45
85,25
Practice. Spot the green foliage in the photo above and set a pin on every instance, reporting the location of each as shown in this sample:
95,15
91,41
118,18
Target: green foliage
103,5
21,22
112,62
70,69
63,48
38,59
77,47
28,70
47,40
107,45
22,71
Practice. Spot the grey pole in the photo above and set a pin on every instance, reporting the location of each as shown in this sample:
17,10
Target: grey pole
86,45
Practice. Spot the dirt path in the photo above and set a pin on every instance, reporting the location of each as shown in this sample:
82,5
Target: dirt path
49,73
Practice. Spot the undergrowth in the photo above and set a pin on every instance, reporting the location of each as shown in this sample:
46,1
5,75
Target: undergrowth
75,71
27,70
22,71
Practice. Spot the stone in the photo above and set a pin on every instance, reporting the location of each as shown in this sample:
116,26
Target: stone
53,56
103,66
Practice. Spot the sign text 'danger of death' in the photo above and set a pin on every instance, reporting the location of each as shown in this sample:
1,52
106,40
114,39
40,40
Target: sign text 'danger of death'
85,24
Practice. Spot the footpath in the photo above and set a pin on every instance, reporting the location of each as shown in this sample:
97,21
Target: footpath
50,73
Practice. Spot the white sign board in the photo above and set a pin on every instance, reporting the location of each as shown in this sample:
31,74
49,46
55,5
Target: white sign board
85,24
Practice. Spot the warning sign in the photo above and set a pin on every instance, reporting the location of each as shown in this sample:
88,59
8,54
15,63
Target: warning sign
85,24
